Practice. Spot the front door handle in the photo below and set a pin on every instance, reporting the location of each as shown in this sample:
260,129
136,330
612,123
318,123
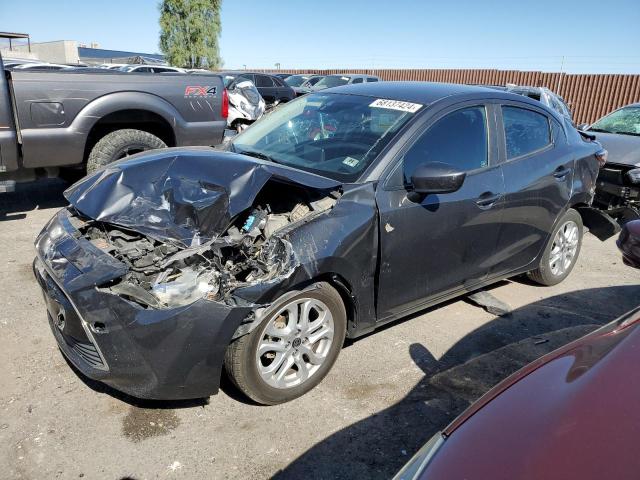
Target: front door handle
561,172
487,200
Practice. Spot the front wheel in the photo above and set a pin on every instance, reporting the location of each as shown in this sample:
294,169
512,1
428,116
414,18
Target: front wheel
293,349
561,253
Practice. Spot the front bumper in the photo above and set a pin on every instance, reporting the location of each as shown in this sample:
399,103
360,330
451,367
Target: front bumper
168,354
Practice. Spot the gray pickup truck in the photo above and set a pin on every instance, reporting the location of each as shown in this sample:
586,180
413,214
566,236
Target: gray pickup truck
68,123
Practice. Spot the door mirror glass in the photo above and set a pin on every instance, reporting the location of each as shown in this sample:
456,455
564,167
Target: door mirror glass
436,177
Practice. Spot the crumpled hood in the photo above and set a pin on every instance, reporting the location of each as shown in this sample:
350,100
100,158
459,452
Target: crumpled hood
188,195
623,149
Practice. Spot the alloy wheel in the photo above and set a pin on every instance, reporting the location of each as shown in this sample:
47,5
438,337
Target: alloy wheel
295,343
563,250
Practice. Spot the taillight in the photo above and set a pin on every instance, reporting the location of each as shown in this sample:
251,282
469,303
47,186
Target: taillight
224,111
601,156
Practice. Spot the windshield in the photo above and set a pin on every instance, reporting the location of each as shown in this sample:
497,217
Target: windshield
334,135
625,121
332,81
296,80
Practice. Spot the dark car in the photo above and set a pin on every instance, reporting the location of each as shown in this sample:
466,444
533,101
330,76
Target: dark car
273,89
573,425
570,414
80,119
618,190
330,217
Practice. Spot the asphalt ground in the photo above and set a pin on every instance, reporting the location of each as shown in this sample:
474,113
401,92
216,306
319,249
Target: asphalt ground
387,394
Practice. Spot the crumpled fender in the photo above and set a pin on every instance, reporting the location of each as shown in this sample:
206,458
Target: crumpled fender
330,245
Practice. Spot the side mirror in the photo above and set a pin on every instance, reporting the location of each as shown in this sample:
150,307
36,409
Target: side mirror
436,177
582,126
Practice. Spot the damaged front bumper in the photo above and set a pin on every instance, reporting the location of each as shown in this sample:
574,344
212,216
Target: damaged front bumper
168,353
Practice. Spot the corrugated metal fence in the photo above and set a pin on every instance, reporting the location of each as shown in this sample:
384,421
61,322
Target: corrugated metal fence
590,96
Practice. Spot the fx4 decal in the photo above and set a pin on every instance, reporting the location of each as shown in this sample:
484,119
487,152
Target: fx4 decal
200,91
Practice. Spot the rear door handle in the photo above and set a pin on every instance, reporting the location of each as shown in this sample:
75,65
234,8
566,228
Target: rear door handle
487,200
561,172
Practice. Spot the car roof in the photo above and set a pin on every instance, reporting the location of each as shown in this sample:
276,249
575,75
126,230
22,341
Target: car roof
417,92
248,72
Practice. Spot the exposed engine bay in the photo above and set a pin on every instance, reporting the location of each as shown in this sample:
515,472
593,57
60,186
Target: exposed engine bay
253,249
618,192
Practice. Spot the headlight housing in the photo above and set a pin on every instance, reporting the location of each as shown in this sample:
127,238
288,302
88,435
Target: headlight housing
634,175
187,287
419,462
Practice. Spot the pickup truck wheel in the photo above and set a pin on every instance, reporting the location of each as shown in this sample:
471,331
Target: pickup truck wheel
293,349
561,253
120,144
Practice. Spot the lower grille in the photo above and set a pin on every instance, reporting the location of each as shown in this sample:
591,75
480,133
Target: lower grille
87,351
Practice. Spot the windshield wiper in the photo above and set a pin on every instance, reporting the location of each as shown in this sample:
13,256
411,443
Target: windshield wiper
627,133
599,130
260,155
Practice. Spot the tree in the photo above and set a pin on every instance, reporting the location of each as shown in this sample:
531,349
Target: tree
189,33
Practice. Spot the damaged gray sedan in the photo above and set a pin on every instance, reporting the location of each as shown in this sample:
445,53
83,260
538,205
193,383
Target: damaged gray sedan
335,214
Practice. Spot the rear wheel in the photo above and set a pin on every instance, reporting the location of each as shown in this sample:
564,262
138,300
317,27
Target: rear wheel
120,144
293,349
561,253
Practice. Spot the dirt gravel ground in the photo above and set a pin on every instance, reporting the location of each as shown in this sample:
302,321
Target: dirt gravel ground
387,394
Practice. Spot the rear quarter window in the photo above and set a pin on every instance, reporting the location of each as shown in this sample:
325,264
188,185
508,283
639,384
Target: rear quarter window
525,131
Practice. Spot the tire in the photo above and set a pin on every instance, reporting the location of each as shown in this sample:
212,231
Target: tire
551,273
248,371
120,144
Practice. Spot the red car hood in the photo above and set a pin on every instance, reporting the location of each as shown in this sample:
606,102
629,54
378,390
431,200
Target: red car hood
574,413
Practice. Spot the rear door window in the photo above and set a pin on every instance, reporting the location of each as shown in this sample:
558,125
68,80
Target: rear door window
525,131
372,79
262,81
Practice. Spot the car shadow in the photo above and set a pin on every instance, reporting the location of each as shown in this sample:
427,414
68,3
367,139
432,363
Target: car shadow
39,194
100,387
379,445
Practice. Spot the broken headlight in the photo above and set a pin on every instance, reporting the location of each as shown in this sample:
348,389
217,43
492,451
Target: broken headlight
186,287
634,175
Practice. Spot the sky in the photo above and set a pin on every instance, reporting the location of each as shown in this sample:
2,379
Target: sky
585,36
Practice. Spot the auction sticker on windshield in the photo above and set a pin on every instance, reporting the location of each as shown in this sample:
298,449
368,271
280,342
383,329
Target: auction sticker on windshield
396,105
